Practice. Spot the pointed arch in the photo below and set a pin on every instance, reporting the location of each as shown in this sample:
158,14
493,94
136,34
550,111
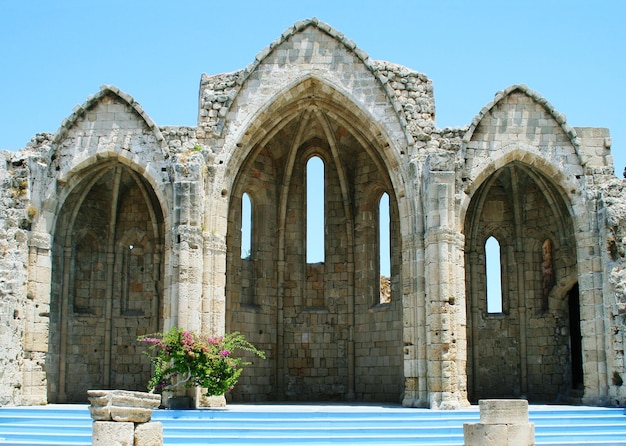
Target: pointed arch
536,97
520,207
92,168
314,119
92,100
325,29
565,187
310,94
90,137
108,288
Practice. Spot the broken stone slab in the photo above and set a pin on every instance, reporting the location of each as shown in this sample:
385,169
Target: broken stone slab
122,405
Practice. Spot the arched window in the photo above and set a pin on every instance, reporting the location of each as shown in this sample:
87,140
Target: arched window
246,227
315,246
494,275
384,249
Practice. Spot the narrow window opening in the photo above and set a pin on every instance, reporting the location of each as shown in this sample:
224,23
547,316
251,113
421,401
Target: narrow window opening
494,276
246,227
384,249
315,243
132,280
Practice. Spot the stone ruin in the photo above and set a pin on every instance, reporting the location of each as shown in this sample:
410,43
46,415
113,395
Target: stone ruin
124,418
502,423
115,227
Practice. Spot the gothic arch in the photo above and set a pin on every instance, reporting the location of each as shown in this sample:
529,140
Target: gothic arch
92,100
109,126
523,153
310,94
317,306
550,111
107,282
344,46
505,350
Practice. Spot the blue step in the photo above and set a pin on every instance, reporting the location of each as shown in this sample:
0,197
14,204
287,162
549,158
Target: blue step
313,425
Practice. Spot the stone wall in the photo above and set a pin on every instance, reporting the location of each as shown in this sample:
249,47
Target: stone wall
613,213
15,222
114,227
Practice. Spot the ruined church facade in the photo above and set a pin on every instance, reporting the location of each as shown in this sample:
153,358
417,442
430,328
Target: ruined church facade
114,227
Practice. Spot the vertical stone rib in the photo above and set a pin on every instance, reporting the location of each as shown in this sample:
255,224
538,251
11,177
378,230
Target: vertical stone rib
65,294
473,256
67,263
281,264
110,274
343,182
521,283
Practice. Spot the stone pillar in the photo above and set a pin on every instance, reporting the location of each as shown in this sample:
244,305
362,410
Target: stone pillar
37,310
123,418
190,257
214,284
413,310
445,289
502,423
187,261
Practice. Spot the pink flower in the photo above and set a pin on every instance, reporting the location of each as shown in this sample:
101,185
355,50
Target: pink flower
153,341
224,353
215,340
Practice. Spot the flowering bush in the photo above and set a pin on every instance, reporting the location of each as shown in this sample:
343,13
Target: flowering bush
182,357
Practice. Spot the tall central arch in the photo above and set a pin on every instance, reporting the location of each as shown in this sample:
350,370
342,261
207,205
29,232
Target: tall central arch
327,332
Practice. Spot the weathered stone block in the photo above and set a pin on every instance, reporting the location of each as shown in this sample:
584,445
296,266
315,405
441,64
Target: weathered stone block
111,433
149,434
521,434
122,405
476,434
503,411
210,401
502,423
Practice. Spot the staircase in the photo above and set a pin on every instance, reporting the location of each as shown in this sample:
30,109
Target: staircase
313,425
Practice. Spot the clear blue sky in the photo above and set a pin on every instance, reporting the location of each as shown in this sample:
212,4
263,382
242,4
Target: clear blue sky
55,53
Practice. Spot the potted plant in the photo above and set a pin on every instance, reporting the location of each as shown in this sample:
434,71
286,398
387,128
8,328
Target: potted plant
182,358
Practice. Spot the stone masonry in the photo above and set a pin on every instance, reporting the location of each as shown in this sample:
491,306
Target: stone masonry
502,423
124,418
115,227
